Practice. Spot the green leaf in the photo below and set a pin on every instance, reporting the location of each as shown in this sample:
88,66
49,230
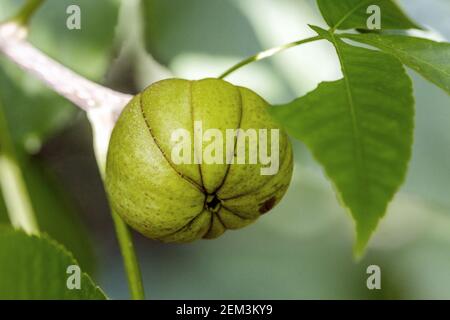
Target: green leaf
34,267
429,58
360,129
352,14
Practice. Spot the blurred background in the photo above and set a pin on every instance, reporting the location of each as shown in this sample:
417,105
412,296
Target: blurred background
303,248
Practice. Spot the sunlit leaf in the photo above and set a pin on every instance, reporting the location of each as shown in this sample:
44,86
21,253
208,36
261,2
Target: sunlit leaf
429,58
360,129
34,267
352,14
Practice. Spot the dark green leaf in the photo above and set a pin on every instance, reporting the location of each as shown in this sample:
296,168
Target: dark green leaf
429,58
360,128
34,267
352,14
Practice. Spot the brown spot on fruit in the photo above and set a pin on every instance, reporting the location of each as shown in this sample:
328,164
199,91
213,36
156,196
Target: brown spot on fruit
267,205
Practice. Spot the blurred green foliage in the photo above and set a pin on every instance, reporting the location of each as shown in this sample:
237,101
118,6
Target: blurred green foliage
89,50
35,113
303,249
169,29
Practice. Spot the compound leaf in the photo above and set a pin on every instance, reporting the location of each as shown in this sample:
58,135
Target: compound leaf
360,129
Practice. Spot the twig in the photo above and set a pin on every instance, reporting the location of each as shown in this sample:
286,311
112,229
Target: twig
266,54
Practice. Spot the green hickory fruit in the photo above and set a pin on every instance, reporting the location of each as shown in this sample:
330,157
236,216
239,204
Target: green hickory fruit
185,202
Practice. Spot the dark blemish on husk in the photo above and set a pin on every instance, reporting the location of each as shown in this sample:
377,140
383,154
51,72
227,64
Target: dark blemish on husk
267,205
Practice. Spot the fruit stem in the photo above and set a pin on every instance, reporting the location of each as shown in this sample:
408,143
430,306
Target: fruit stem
123,234
129,258
266,54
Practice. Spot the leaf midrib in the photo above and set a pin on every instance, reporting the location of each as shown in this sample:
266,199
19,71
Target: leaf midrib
345,17
359,154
